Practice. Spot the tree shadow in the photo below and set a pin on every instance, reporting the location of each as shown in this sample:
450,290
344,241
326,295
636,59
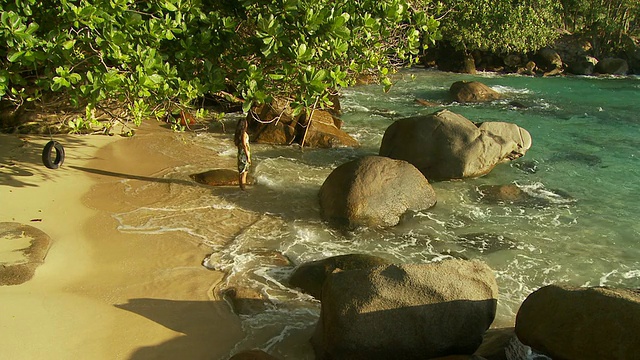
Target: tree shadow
210,329
134,177
21,158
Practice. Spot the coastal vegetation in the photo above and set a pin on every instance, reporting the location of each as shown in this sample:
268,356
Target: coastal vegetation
155,59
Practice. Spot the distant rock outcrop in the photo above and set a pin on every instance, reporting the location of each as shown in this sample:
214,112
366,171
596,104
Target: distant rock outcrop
612,66
445,145
549,61
593,323
373,191
419,311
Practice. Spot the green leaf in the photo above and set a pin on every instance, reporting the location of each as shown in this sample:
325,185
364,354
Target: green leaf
246,106
14,56
68,44
169,6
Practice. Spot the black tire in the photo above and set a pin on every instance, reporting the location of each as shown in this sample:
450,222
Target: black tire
47,152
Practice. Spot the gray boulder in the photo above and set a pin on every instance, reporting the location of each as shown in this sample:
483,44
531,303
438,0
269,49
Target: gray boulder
567,322
612,66
310,276
419,311
373,191
472,92
445,145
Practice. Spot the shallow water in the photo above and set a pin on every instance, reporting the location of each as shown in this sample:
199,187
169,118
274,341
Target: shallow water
581,225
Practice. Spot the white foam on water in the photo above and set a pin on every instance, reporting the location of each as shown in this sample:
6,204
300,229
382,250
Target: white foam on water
503,89
631,274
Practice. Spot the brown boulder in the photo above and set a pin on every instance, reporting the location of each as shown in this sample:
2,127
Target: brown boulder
310,276
219,177
373,191
548,60
612,66
445,145
418,311
582,66
567,322
473,92
275,124
22,249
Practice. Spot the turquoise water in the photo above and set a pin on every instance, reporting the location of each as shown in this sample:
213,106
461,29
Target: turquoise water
581,226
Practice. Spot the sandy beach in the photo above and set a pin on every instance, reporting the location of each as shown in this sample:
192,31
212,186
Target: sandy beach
101,293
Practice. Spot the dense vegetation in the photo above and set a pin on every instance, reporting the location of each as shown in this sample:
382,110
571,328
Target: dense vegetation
505,26
154,57
157,57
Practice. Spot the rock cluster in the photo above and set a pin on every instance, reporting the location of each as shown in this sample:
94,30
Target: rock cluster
275,123
570,54
373,309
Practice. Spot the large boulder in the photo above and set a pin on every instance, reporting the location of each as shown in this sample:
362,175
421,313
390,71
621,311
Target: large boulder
612,66
445,145
472,92
582,66
416,311
373,191
567,322
310,276
548,60
275,124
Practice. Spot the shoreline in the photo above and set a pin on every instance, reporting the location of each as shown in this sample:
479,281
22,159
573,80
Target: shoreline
101,293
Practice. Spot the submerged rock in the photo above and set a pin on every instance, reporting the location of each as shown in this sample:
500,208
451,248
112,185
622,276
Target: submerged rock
486,243
529,167
310,276
419,311
241,294
219,177
527,196
594,323
472,92
24,248
445,145
373,191
579,157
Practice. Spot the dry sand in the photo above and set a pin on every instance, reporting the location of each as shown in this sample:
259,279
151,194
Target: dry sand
102,294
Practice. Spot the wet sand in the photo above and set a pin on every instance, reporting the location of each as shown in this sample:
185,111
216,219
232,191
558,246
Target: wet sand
101,293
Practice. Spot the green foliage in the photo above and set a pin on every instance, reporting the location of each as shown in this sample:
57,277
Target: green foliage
500,26
606,22
157,56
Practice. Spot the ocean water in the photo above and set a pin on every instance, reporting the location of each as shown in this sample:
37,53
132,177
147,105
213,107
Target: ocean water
580,224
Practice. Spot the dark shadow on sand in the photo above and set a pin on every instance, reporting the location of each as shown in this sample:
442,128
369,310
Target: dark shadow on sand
134,177
210,330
